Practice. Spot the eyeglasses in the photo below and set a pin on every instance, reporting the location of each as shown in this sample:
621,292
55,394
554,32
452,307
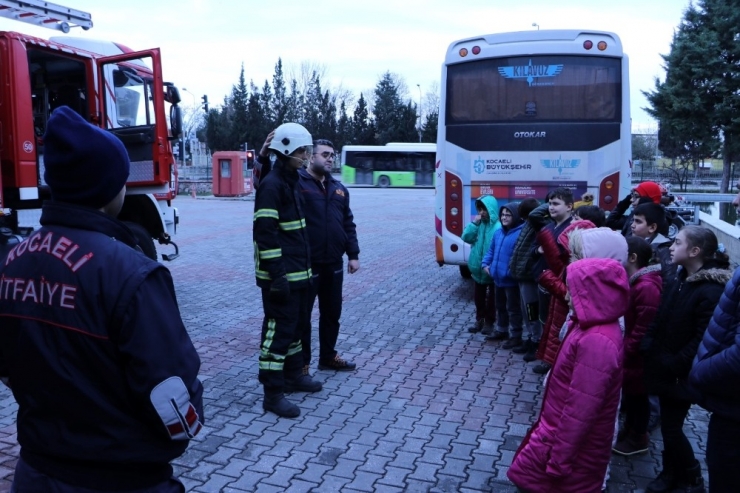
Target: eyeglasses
506,214
326,154
636,195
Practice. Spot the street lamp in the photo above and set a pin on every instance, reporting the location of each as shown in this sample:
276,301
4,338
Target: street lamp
420,112
534,24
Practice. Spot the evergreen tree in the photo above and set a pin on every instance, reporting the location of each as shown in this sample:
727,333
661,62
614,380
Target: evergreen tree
280,97
362,130
388,111
699,99
312,109
257,125
344,127
238,103
429,130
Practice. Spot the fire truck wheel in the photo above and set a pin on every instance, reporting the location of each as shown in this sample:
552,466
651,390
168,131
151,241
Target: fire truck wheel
146,242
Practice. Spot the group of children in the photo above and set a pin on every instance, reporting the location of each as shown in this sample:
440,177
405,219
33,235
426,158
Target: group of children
614,314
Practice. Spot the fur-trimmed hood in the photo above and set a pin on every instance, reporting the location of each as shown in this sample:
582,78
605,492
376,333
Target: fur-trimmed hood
716,275
644,271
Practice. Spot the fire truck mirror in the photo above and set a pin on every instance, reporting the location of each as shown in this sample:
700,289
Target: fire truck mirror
175,122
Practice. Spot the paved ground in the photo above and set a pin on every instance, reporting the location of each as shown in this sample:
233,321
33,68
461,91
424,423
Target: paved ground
431,407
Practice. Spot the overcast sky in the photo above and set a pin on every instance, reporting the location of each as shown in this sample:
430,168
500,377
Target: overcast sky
204,42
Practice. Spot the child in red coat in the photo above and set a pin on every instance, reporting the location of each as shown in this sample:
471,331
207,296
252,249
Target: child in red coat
645,289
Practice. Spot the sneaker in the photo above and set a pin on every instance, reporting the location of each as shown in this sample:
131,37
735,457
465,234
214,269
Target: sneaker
337,364
487,329
498,336
512,343
522,348
542,368
531,354
477,327
632,444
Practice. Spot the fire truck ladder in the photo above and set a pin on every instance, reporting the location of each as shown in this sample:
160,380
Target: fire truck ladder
45,14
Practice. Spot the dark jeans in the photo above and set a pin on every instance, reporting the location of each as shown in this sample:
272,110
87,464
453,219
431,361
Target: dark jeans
327,286
544,301
636,408
29,480
485,303
509,311
530,310
723,454
673,413
280,346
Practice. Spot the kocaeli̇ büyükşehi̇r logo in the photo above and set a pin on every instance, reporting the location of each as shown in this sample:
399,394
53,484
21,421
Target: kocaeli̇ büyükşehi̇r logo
479,165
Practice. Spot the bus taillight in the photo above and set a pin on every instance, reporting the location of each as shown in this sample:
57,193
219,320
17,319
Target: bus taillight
453,204
609,191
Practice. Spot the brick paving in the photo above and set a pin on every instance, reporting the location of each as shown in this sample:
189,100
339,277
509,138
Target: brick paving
431,407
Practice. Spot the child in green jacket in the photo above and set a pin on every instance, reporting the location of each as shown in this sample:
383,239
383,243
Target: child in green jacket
479,234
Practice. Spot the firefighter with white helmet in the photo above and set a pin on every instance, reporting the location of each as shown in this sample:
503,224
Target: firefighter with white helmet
283,268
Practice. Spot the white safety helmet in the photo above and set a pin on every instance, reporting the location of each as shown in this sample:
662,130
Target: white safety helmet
289,137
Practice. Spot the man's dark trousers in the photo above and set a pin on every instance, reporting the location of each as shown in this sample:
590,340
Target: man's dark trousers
327,286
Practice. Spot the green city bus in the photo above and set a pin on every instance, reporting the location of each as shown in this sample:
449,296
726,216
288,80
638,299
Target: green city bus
391,165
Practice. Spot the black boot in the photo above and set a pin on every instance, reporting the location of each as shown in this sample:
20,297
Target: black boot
275,402
690,480
302,382
666,480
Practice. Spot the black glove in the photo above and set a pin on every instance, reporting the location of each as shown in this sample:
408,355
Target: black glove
280,290
623,204
539,218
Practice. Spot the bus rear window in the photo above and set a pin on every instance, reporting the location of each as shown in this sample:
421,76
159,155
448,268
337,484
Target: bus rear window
535,88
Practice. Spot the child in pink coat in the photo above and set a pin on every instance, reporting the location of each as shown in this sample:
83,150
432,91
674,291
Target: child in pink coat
569,447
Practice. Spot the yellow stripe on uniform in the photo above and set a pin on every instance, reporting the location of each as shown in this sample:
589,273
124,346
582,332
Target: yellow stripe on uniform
268,254
266,213
299,276
295,348
292,225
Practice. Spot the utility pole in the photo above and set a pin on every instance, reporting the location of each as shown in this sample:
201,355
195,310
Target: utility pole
420,112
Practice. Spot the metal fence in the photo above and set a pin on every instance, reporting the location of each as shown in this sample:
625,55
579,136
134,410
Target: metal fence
694,179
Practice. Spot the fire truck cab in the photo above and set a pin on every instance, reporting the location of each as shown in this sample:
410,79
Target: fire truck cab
109,85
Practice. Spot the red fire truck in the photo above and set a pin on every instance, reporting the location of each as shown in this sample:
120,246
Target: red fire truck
111,86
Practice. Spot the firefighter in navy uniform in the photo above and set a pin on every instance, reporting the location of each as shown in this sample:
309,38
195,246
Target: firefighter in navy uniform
283,269
91,340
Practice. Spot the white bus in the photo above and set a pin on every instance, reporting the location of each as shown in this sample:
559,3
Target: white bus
397,164
526,112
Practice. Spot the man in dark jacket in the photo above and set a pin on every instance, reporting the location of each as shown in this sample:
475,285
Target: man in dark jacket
282,266
332,233
92,344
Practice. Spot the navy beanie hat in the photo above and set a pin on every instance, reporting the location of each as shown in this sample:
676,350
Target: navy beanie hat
84,164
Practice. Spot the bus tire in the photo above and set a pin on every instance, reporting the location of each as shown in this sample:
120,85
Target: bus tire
384,181
465,272
144,239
